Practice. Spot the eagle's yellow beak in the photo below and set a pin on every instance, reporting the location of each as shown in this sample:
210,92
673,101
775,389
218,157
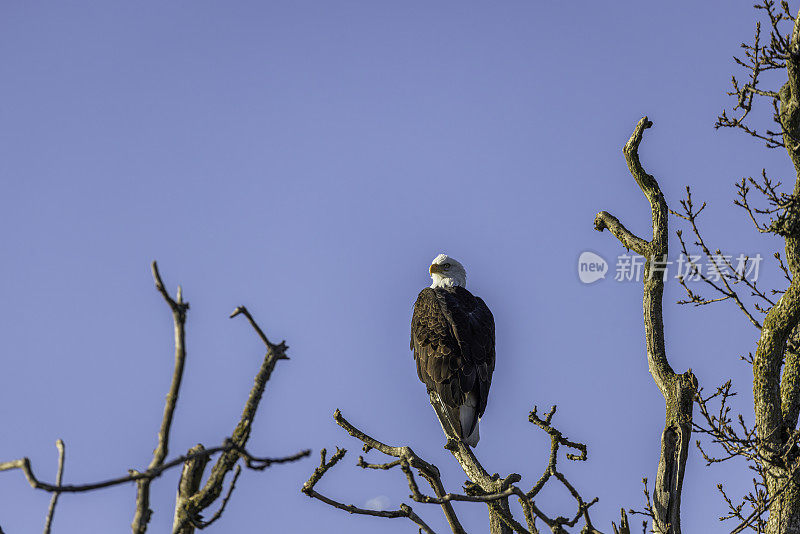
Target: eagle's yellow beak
435,268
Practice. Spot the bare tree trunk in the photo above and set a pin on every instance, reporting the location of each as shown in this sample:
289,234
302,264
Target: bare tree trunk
674,450
784,511
775,399
678,389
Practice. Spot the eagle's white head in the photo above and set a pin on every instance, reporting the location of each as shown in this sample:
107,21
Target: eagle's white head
447,272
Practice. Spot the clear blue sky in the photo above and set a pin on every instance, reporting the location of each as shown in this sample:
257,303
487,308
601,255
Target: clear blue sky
308,159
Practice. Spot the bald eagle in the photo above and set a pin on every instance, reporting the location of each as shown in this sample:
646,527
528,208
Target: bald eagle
452,336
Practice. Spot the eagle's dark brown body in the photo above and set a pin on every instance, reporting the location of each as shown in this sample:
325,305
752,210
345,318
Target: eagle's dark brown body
452,336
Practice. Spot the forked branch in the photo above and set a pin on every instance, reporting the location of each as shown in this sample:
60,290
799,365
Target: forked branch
475,489
191,506
677,389
192,498
179,308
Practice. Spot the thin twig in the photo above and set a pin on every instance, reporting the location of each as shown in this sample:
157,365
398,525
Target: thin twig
179,308
308,488
24,465
51,510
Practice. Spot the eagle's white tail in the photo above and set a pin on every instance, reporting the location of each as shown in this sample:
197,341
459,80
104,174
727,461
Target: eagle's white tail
473,439
465,418
468,417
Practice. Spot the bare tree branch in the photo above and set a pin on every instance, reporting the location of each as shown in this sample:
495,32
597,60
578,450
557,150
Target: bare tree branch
188,485
24,465
308,489
191,498
192,507
624,526
770,446
605,220
429,471
51,510
725,271
198,523
677,389
500,489
179,308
